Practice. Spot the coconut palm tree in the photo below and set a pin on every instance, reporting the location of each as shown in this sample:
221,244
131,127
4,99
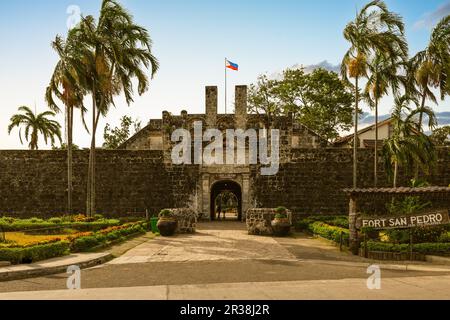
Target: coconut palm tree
383,75
431,66
120,52
407,145
375,30
34,125
66,85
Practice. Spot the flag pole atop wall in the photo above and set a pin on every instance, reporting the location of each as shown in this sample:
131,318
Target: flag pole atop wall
226,60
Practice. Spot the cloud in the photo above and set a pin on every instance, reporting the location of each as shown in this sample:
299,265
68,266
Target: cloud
430,19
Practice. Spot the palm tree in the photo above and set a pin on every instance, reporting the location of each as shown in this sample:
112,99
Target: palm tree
407,145
120,52
431,66
384,74
67,76
34,125
375,30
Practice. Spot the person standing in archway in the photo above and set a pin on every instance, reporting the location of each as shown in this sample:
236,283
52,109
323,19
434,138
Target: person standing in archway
219,209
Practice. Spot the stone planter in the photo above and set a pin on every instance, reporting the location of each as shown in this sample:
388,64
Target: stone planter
281,227
167,226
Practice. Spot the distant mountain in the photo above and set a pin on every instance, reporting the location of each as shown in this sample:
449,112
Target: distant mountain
368,119
308,69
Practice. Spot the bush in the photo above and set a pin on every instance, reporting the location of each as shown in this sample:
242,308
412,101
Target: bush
108,235
84,243
17,255
11,225
419,235
55,220
98,217
445,237
166,213
337,221
330,232
280,213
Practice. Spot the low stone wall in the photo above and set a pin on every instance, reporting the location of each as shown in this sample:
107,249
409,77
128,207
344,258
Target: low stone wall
259,221
187,220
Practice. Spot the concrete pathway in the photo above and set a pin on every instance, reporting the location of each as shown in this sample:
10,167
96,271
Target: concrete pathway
415,288
212,242
53,266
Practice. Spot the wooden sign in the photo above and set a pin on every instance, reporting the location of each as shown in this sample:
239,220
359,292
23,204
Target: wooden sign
434,218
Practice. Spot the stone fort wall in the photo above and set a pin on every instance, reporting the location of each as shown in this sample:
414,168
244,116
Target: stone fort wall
34,183
313,179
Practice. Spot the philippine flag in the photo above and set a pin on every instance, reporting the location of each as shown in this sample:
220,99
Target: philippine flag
232,66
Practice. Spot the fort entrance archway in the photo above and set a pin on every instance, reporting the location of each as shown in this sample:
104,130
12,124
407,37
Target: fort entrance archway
230,190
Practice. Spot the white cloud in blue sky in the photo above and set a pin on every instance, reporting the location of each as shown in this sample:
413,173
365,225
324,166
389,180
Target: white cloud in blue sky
429,19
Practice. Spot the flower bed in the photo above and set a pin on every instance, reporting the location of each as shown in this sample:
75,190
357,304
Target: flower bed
87,241
79,242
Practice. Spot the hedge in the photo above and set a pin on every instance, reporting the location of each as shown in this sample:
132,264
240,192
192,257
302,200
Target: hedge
337,221
330,232
104,237
38,224
424,248
17,255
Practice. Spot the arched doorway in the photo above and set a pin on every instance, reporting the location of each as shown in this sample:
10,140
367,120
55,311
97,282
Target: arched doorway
229,193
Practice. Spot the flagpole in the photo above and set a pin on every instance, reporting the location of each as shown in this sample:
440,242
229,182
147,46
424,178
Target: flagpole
226,85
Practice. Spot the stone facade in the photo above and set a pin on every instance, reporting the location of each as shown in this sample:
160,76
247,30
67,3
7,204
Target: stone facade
34,183
187,220
141,175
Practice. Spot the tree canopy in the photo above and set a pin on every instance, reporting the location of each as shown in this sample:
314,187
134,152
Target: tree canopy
319,100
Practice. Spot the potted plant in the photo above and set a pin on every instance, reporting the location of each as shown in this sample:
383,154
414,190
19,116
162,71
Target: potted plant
281,225
167,224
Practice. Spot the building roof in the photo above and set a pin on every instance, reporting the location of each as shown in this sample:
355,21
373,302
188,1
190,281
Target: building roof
401,190
366,129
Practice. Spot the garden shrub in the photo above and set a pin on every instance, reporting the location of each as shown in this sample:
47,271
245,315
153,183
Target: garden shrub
419,234
337,221
98,217
84,243
55,220
17,255
445,237
108,235
11,225
330,232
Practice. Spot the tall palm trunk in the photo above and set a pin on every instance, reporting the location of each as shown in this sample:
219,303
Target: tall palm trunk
375,168
70,162
90,205
419,128
355,137
395,173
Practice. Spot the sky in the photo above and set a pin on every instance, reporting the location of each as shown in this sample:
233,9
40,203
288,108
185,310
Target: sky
191,40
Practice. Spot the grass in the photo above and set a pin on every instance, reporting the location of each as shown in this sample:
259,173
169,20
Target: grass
23,239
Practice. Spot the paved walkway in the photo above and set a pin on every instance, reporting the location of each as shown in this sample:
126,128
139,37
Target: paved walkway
416,288
212,242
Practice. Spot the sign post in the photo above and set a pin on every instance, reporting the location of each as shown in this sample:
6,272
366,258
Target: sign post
434,218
